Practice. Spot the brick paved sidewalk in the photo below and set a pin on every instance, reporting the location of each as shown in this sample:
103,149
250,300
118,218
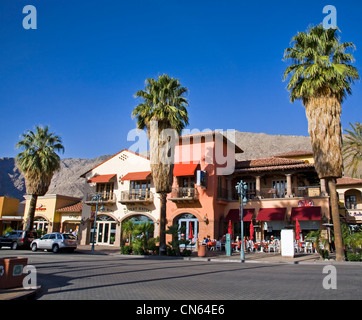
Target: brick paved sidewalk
256,257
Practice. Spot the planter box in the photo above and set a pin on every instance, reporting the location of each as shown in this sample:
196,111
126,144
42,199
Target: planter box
12,272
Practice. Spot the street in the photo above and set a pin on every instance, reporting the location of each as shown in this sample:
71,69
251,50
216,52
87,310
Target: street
80,276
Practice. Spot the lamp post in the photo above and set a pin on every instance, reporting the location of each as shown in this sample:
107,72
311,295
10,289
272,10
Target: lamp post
241,188
97,198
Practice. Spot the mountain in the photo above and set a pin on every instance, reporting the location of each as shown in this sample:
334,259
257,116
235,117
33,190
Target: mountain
67,180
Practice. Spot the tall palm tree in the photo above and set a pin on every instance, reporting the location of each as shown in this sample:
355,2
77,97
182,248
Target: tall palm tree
38,162
321,76
352,150
163,107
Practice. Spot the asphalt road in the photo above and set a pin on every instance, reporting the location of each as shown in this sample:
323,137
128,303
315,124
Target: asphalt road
80,276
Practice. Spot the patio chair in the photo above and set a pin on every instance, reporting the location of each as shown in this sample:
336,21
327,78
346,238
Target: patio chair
309,247
271,246
218,246
296,247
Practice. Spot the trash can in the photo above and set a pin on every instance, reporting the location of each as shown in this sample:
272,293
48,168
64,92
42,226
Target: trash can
201,252
13,275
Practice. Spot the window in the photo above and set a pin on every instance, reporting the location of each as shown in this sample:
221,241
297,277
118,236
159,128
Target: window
351,202
140,188
251,189
187,182
46,237
52,236
105,190
280,186
59,236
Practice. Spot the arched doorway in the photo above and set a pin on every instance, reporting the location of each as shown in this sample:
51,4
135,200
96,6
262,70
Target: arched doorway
189,226
41,225
106,230
138,219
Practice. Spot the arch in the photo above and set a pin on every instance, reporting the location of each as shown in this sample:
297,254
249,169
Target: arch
109,215
41,216
179,212
132,214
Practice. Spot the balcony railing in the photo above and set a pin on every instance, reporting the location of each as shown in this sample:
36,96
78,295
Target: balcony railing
107,198
136,196
184,195
272,193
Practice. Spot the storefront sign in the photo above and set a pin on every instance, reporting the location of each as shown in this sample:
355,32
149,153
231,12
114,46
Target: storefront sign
305,203
136,209
40,207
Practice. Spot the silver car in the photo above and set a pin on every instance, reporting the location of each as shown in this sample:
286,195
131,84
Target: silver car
55,241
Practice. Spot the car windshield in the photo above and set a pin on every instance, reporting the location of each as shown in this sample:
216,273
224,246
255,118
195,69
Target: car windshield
69,236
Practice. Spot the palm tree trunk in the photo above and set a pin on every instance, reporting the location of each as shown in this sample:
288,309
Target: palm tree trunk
338,242
31,213
162,251
324,127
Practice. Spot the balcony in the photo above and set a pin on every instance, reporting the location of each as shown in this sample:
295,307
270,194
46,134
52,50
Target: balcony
354,215
107,198
272,193
136,196
184,195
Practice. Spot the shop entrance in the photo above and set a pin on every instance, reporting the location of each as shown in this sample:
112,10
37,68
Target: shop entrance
106,230
189,226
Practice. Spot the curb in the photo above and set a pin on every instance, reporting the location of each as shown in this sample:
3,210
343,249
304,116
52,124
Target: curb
223,260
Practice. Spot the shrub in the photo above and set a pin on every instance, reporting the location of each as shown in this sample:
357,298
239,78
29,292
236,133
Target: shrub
125,249
353,256
137,247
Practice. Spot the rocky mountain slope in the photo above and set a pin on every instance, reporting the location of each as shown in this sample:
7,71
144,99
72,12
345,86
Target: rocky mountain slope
68,182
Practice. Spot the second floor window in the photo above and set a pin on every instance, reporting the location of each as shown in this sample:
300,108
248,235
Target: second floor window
280,186
140,187
351,202
105,190
187,182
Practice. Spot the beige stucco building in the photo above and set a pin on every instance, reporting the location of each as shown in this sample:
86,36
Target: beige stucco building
49,216
127,192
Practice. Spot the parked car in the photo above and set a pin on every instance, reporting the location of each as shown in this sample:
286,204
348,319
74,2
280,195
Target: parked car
55,241
18,239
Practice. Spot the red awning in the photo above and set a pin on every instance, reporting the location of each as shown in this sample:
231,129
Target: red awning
271,214
184,169
234,215
143,175
103,178
306,213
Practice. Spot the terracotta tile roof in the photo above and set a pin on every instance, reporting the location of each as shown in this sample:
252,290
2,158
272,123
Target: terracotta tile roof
295,153
265,162
77,207
348,180
271,164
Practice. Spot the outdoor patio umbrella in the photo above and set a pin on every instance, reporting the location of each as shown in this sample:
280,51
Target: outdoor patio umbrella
230,230
297,230
251,231
191,236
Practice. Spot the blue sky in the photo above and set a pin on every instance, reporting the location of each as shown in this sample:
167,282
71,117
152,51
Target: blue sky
79,70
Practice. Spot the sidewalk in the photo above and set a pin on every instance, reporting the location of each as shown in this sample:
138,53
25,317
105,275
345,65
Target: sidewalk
220,256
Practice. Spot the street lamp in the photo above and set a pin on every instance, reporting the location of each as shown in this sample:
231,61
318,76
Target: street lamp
97,198
241,188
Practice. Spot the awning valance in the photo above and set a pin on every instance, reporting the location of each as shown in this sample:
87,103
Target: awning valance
184,169
271,214
306,213
234,215
103,178
142,175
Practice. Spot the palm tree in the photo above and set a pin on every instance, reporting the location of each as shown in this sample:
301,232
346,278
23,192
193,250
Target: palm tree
163,107
38,162
352,150
321,76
